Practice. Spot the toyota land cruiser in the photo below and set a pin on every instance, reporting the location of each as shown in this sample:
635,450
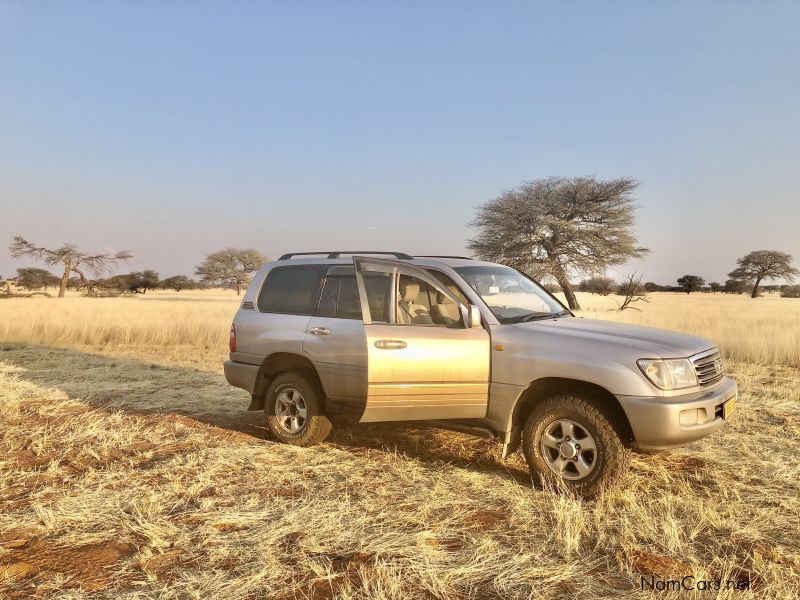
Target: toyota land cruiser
467,345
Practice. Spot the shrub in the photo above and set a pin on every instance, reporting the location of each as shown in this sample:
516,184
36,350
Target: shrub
790,291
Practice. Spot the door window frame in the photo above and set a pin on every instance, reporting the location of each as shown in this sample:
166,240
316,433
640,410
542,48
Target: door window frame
397,268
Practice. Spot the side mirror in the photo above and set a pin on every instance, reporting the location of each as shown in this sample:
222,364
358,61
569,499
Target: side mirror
464,312
474,316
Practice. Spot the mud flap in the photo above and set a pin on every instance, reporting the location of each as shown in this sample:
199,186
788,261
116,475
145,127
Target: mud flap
512,442
256,403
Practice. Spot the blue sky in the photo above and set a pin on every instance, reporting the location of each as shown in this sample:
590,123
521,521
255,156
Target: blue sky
176,128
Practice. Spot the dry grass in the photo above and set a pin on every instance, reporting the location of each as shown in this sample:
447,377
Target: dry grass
764,331
189,326
194,326
129,468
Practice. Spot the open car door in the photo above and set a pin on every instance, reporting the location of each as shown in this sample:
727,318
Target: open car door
418,369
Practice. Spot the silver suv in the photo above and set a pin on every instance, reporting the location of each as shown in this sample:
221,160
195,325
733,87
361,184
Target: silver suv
472,346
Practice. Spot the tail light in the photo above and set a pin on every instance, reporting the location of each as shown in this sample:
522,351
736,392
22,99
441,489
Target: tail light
232,342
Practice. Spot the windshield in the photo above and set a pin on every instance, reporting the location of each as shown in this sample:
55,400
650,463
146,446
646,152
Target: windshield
510,295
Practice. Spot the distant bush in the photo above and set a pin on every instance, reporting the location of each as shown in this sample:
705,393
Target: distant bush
691,283
790,291
598,285
33,279
734,286
651,286
553,288
178,283
138,282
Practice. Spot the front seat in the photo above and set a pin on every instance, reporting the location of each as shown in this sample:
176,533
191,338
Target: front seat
445,311
408,311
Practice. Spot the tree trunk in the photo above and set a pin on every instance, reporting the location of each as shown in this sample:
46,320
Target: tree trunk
63,289
238,288
566,287
754,293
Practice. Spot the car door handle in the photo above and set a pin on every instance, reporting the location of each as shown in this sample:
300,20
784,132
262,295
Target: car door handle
320,331
390,344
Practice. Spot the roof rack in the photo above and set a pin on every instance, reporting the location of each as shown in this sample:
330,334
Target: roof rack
443,256
338,253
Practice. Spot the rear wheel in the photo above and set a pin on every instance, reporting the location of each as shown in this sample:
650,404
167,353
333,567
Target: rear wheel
569,441
293,410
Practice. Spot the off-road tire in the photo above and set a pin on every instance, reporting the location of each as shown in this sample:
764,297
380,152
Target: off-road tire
609,456
316,426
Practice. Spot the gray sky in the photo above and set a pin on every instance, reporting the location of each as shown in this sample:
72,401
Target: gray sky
176,129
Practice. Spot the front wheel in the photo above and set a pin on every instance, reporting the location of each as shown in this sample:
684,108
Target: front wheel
569,441
293,410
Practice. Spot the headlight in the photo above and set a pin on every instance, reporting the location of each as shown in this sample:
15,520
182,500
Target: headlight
670,374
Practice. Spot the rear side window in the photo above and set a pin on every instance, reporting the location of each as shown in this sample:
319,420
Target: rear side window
349,306
292,290
340,299
379,293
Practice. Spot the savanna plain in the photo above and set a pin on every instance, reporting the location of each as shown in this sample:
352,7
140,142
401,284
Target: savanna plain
129,468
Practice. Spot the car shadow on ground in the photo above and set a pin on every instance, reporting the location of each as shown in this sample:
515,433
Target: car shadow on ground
142,387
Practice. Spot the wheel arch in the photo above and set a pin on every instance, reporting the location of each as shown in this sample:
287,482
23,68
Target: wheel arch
275,364
546,387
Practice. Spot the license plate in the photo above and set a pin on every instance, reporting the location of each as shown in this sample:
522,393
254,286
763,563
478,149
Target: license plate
728,408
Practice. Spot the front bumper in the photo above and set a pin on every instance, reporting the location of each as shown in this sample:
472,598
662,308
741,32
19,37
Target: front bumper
241,375
660,423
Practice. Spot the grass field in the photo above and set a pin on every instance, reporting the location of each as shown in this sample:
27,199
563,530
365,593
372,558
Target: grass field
130,468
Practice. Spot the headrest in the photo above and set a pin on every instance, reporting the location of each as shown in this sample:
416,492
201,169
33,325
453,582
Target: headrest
409,290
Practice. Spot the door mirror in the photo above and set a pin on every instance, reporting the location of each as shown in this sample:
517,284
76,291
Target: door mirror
464,312
474,316
470,315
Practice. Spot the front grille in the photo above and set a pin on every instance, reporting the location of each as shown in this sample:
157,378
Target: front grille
709,369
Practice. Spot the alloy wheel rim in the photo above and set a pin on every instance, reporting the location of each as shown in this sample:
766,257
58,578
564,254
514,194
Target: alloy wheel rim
569,449
290,410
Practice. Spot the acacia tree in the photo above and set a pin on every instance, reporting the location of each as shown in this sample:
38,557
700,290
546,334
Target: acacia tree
73,260
231,266
32,278
764,264
141,281
691,283
177,283
560,227
734,286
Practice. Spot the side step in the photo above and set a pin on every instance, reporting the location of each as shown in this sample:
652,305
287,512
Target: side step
463,427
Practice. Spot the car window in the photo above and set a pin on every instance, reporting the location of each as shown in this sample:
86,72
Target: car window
512,296
378,287
292,290
339,299
450,285
349,305
329,297
443,310
413,303
417,302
